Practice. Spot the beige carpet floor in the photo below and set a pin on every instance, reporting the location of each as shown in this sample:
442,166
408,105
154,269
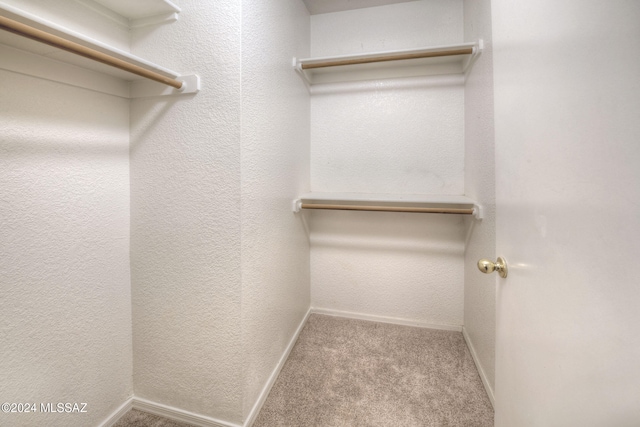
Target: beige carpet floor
345,372
135,418
354,373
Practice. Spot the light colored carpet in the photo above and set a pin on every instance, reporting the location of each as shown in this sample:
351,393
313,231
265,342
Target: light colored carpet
345,372
354,373
135,418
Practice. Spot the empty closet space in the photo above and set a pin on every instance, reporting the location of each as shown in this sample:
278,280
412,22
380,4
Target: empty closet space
395,136
296,166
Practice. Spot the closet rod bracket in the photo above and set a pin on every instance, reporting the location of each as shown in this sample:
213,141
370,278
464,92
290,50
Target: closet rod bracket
147,88
478,211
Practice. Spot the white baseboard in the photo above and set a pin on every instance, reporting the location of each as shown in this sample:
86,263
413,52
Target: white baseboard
483,375
198,420
117,414
385,319
179,415
274,375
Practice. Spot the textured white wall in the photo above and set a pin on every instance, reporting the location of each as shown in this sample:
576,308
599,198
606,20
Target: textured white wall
65,323
275,170
480,289
567,103
185,218
397,136
398,266
398,26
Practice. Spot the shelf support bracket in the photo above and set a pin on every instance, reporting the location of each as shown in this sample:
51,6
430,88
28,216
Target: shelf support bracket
477,51
297,205
298,67
478,211
147,88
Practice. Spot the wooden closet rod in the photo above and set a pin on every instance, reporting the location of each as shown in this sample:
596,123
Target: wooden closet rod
459,211
390,57
55,41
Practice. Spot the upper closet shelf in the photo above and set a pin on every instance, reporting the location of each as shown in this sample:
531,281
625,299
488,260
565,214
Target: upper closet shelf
452,59
138,10
418,203
69,53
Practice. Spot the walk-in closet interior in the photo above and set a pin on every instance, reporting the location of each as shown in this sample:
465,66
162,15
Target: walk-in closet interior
184,184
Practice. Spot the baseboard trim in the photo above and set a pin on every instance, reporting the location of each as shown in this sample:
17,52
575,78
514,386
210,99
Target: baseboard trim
198,420
385,319
255,410
483,375
117,414
179,415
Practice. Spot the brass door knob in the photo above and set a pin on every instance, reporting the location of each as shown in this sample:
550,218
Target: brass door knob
487,266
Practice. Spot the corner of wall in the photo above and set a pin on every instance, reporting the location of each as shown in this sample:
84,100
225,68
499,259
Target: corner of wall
274,167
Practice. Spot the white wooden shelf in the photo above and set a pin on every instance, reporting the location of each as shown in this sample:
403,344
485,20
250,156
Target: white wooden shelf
133,10
450,59
30,57
451,204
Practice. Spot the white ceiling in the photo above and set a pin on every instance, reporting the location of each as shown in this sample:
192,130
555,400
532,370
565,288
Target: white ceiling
326,6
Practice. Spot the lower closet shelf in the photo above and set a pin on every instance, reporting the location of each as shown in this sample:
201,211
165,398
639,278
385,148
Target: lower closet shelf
417,203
